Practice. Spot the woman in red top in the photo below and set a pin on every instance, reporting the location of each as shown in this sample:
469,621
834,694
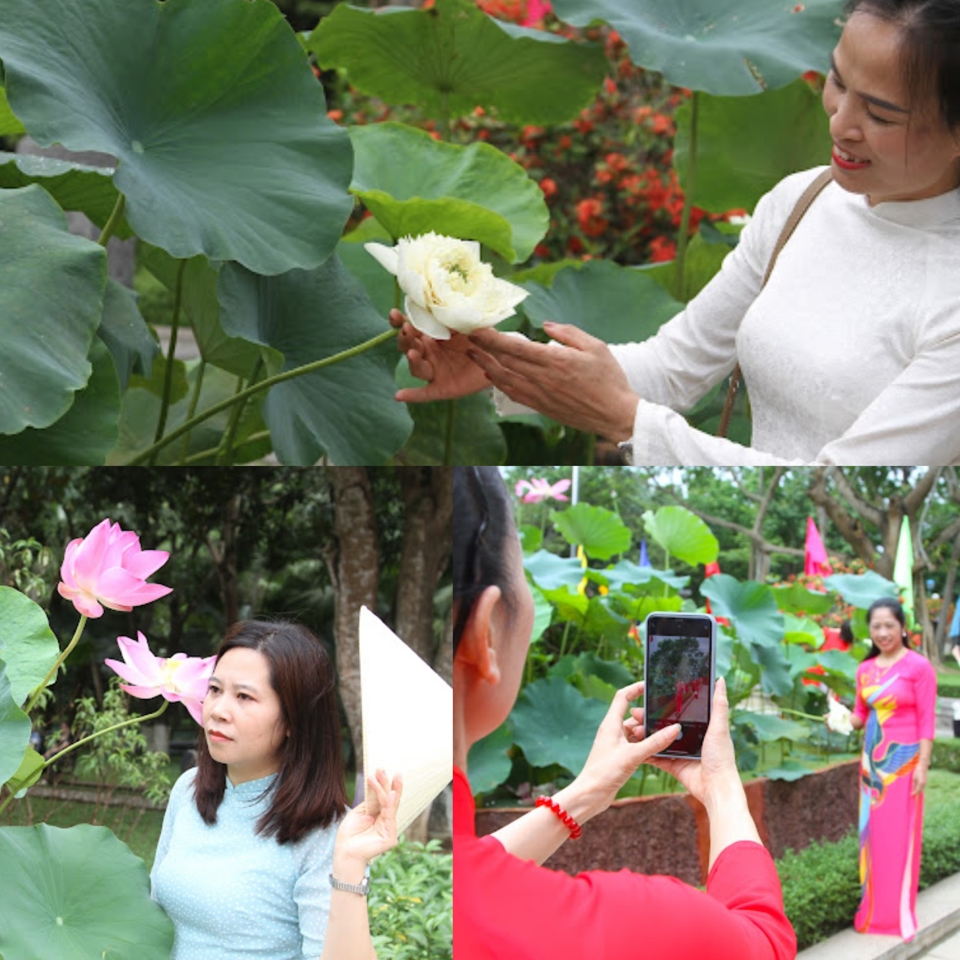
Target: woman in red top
506,906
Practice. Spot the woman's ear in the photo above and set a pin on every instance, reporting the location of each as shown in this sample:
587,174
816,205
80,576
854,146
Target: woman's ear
477,650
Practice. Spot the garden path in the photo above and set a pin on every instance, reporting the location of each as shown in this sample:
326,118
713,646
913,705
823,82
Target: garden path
938,914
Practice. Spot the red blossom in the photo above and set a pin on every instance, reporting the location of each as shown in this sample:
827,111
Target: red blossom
549,187
662,249
589,217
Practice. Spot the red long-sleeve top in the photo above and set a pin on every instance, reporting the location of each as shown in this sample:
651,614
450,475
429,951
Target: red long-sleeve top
505,908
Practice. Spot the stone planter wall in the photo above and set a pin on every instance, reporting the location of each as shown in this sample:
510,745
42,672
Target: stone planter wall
670,835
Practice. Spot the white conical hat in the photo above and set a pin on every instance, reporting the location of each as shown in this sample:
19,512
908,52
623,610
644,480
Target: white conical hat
407,717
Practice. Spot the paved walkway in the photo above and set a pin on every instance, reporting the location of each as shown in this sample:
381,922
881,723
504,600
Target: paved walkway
938,914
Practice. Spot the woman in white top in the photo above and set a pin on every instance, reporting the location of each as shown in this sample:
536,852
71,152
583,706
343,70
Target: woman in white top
852,351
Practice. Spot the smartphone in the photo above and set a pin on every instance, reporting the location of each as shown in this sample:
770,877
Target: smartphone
679,671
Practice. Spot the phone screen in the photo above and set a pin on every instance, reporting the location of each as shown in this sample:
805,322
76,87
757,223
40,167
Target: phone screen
679,672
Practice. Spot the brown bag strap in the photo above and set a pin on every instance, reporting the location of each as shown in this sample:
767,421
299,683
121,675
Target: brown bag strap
796,215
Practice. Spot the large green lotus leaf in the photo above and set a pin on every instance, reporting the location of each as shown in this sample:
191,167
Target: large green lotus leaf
51,290
752,609
126,334
614,303
600,532
701,264
345,411
211,108
10,126
729,47
801,630
489,762
452,58
798,599
85,434
769,727
542,614
75,186
26,642
141,409
568,605
682,534
28,773
14,731
550,572
199,301
602,621
861,589
77,894
800,660
414,184
788,770
747,145
553,723
625,574
477,437
381,286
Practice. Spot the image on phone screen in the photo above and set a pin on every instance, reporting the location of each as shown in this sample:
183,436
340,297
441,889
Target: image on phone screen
679,685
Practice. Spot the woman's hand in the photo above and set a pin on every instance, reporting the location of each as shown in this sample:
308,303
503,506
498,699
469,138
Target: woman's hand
919,779
618,749
574,379
370,828
715,774
443,363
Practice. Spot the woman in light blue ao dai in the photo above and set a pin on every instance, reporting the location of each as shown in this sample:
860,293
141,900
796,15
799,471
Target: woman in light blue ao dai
249,849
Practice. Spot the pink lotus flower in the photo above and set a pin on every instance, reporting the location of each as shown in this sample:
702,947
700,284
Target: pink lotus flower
542,490
177,678
107,568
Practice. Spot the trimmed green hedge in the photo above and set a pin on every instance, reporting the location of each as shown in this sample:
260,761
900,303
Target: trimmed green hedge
946,755
948,686
821,884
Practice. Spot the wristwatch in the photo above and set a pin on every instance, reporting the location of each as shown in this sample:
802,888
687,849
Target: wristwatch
626,452
362,887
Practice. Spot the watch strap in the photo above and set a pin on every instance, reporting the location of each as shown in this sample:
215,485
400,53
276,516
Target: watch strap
361,888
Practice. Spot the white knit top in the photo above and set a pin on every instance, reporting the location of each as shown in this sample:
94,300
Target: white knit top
851,353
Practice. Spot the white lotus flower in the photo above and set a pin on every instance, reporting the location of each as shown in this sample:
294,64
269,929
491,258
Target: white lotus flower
838,719
447,285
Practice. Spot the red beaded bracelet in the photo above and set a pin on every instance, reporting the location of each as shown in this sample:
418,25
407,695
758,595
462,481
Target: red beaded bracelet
568,821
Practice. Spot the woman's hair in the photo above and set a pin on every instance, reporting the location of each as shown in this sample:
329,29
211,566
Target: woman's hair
930,49
310,791
482,524
887,603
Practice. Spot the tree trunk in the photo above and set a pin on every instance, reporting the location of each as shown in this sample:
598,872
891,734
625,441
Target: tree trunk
224,553
354,565
425,555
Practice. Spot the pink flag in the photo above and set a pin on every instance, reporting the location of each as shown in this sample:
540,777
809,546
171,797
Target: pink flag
815,562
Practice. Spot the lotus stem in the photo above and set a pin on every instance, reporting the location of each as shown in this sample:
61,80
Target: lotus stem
680,262
259,388
111,225
53,670
194,400
100,733
171,354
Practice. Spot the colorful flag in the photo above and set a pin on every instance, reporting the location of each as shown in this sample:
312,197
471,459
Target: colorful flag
815,562
903,569
644,559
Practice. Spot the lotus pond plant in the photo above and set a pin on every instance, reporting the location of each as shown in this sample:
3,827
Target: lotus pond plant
79,892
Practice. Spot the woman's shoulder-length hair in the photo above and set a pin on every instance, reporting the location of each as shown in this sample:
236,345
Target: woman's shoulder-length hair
309,791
